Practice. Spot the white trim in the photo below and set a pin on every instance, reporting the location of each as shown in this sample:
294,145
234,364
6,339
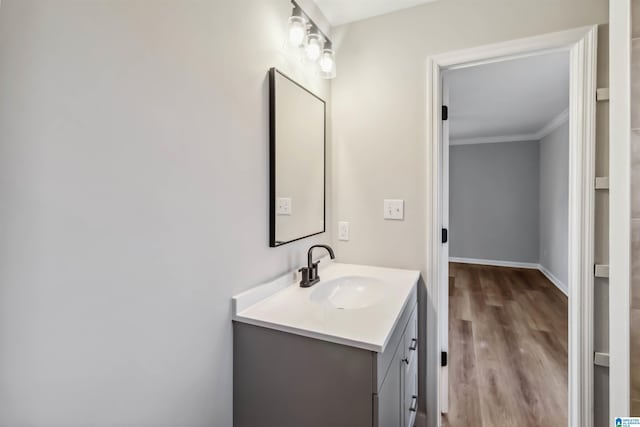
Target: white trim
552,125
513,264
619,207
581,43
560,41
582,229
495,263
553,279
444,257
524,137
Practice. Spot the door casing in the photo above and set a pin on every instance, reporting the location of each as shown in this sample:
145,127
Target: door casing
581,44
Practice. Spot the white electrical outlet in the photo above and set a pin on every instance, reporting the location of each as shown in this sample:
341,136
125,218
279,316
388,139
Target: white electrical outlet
394,209
284,206
343,230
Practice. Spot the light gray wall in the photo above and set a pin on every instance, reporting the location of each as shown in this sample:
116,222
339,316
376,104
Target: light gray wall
133,188
493,215
494,201
554,203
379,112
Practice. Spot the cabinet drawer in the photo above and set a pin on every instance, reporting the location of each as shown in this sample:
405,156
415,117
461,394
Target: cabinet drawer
410,392
411,338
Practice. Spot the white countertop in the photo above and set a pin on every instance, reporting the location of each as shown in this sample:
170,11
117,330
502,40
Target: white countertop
283,305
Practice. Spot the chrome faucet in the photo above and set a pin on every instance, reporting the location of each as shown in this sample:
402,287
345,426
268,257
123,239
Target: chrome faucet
310,272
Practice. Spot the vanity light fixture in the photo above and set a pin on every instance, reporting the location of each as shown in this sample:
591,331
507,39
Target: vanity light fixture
314,47
327,64
304,33
297,31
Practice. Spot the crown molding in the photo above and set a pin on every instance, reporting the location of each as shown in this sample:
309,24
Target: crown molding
552,125
495,139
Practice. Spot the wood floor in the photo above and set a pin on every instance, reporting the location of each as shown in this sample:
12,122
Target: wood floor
507,348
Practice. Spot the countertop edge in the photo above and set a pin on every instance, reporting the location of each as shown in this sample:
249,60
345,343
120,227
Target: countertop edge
311,334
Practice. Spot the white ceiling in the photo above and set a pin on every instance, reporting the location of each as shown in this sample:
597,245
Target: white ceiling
515,100
340,12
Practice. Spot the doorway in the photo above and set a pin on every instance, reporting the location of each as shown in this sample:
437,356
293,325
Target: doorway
506,182
580,45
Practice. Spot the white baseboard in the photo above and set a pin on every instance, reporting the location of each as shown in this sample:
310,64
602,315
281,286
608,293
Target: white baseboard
530,265
495,263
553,279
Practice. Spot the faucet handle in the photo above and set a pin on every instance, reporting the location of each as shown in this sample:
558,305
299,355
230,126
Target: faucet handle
306,276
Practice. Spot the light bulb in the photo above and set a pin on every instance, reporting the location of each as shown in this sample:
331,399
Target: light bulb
313,47
327,64
297,31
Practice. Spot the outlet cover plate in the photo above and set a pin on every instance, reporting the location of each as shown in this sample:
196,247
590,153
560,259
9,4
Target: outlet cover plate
283,206
343,230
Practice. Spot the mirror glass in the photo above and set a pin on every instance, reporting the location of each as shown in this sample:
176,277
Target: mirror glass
297,157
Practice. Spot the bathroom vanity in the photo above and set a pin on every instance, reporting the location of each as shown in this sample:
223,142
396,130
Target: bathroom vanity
336,345
340,353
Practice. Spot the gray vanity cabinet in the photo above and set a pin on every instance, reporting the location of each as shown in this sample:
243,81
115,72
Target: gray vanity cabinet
389,398
288,380
395,402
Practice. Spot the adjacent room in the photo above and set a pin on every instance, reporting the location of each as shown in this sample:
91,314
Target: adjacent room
508,130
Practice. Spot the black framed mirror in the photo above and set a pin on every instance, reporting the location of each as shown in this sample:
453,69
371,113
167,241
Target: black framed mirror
297,153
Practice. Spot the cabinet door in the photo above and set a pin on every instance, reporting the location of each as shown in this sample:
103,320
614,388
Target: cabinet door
410,393
410,372
411,338
390,398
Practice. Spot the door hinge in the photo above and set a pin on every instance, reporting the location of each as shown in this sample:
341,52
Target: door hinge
445,235
443,358
445,112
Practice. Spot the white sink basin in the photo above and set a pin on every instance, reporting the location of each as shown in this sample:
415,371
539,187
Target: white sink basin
349,292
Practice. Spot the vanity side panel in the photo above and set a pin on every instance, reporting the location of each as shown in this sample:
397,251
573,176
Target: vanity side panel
390,403
286,380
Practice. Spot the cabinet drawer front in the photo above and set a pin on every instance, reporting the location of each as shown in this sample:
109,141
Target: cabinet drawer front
390,407
411,338
410,392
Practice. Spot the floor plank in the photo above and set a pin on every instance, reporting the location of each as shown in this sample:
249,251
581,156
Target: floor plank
508,348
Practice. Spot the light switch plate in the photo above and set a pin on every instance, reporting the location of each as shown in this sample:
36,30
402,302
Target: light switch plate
283,206
343,230
394,209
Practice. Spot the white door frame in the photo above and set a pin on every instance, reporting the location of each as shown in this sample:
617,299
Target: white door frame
443,312
619,208
581,43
